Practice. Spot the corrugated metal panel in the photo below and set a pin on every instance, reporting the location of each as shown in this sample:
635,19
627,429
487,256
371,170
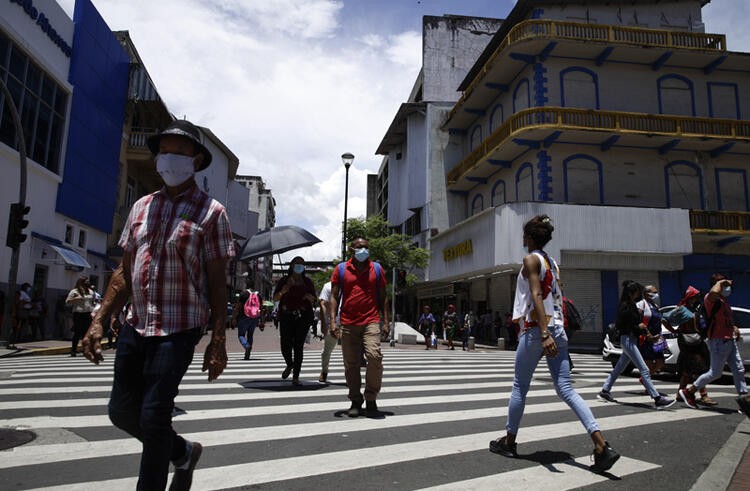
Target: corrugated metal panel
619,261
642,277
585,289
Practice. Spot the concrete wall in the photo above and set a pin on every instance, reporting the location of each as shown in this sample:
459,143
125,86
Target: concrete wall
450,46
684,15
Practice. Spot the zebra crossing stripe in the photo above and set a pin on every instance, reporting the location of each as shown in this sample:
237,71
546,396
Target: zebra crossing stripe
44,454
276,470
238,412
571,474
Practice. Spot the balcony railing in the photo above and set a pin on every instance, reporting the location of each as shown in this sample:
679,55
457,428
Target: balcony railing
731,222
611,121
617,35
138,137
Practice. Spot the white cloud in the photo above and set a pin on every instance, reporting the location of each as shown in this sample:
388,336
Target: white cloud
283,88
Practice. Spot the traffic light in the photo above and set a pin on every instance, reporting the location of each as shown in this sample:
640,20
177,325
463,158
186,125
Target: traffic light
401,278
16,224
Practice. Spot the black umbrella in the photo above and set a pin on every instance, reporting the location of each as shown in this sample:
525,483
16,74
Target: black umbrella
276,240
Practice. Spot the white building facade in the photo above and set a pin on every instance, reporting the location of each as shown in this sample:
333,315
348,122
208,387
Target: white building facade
623,122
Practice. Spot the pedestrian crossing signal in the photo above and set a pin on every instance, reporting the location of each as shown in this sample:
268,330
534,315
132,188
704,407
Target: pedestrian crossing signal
16,224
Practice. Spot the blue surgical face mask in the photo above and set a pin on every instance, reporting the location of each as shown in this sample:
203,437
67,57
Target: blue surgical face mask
299,268
726,291
361,254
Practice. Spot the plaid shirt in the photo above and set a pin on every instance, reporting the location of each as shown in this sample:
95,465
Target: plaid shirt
170,242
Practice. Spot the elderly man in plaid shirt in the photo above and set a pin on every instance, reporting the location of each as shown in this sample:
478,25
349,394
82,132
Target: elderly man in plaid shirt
176,244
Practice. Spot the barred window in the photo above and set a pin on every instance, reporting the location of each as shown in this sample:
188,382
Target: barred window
41,102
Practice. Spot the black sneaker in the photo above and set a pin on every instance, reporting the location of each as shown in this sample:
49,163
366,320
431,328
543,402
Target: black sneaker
662,402
247,354
605,395
355,410
371,409
501,448
605,460
183,478
744,404
286,372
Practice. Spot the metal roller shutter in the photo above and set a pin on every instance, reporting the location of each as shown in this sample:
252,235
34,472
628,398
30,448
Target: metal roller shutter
642,277
585,289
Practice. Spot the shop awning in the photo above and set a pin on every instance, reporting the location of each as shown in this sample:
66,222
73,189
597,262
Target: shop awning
71,257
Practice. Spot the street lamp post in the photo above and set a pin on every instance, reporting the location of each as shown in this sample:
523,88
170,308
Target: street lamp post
347,159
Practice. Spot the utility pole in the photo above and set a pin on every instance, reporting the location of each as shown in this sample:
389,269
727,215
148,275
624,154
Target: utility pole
15,242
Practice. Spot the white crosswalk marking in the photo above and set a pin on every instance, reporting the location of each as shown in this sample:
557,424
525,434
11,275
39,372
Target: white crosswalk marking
258,430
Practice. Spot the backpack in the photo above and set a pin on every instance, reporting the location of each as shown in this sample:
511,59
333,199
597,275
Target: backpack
342,269
572,318
252,306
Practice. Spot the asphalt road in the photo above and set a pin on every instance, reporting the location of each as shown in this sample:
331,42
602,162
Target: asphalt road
442,408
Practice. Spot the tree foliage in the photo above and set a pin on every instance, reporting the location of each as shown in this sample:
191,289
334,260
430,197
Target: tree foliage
390,249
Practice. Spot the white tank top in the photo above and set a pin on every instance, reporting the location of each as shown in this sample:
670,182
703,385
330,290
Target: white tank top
523,305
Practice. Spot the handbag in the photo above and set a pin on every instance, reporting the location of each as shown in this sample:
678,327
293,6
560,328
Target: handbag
660,345
691,338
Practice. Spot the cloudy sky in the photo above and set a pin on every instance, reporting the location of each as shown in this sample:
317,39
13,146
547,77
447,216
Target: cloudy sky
290,85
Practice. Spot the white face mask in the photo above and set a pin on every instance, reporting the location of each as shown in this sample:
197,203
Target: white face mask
726,291
175,169
654,297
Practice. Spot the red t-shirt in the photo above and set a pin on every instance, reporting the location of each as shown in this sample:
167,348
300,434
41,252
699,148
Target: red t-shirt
723,327
360,295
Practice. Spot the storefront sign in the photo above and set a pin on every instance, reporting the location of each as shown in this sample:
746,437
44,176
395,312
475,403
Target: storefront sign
462,249
43,22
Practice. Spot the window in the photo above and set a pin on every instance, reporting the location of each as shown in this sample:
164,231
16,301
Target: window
496,117
414,223
583,180
521,96
525,183
476,138
579,88
82,238
684,185
676,95
41,103
477,204
68,234
498,193
130,193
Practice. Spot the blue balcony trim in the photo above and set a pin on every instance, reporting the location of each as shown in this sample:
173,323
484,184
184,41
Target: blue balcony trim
711,67
458,193
540,85
457,132
505,164
609,143
480,180
527,143
668,146
544,54
477,111
544,176
528,59
551,138
722,149
498,87
660,61
604,55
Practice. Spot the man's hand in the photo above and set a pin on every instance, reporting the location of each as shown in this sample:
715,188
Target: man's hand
92,342
386,329
334,330
215,358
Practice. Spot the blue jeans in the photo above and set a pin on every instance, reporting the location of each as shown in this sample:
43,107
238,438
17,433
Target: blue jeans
148,371
245,329
724,351
528,354
630,353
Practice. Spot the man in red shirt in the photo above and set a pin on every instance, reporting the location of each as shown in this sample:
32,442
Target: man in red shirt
362,294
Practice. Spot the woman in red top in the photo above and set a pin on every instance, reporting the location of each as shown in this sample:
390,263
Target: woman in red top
296,294
722,343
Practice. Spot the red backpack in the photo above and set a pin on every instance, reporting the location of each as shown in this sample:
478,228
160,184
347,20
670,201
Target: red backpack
252,306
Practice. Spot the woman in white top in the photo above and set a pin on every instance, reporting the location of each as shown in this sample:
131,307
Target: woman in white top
82,301
538,296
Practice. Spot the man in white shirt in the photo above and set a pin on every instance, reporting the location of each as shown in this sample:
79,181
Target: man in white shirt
329,339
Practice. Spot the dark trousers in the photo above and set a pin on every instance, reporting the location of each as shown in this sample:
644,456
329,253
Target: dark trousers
81,323
294,330
148,371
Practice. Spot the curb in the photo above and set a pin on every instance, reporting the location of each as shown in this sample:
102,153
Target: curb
719,473
57,350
